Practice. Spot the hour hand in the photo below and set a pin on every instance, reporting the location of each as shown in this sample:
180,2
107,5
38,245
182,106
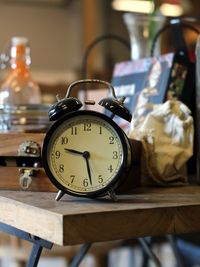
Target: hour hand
74,151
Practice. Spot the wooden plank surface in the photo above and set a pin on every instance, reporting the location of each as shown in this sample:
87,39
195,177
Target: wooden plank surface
147,212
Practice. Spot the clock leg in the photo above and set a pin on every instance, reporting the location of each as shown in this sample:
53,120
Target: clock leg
112,195
59,195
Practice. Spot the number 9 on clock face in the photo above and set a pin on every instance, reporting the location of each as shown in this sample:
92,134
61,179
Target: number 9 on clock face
85,153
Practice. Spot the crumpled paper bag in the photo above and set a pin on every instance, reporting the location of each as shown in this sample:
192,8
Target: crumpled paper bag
167,135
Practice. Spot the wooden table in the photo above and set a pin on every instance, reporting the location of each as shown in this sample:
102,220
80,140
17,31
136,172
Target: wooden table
147,212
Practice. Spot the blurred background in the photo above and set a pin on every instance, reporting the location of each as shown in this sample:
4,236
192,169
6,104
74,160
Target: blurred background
60,30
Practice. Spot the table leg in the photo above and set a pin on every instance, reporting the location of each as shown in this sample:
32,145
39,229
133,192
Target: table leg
38,243
34,256
147,249
80,255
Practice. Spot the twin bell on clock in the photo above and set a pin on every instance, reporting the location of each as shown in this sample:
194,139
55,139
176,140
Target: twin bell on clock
85,153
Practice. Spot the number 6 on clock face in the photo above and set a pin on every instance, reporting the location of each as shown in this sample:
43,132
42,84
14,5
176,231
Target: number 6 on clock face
85,153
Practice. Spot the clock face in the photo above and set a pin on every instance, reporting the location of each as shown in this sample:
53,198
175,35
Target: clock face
84,153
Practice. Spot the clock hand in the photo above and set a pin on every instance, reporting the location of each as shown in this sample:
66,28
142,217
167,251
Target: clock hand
74,151
86,155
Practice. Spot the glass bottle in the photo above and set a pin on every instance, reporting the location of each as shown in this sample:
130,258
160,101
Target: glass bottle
19,88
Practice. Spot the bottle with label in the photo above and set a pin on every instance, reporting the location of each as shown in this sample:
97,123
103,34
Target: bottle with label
19,88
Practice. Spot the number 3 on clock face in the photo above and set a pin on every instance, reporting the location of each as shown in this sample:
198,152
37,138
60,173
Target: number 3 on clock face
85,153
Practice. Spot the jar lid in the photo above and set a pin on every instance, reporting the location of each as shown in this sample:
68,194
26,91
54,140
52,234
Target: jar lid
19,40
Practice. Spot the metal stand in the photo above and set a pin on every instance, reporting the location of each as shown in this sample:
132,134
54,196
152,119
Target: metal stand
79,256
34,256
38,243
148,251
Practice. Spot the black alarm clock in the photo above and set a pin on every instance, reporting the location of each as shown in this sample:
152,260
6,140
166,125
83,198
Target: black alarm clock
85,153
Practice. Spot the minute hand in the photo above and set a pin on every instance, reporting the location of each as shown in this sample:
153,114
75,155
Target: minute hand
86,155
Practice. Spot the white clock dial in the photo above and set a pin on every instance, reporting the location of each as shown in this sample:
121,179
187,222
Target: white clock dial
85,153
